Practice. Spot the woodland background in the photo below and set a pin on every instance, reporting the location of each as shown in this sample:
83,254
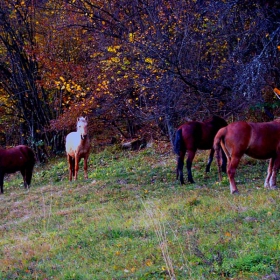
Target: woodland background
136,68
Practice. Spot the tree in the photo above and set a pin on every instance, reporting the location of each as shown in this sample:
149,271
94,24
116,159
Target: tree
20,72
187,58
135,67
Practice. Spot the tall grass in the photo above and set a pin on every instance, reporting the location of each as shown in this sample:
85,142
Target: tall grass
132,220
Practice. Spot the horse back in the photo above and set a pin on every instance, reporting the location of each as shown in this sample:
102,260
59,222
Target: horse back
17,158
257,140
265,140
208,132
191,134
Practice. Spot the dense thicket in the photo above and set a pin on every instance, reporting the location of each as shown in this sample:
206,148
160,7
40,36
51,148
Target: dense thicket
134,67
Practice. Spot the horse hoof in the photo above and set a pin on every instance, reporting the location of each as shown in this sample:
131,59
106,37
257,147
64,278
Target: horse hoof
267,186
235,192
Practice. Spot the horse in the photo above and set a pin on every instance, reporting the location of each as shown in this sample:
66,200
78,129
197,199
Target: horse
78,147
195,135
257,140
19,158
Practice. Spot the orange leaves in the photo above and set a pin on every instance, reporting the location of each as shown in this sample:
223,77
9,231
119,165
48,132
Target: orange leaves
277,91
228,234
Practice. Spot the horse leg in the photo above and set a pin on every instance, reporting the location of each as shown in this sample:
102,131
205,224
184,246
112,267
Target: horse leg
77,160
180,165
269,173
1,182
224,162
70,166
85,167
191,155
210,159
23,173
28,173
274,169
231,173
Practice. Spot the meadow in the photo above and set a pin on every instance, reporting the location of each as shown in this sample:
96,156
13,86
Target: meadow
132,220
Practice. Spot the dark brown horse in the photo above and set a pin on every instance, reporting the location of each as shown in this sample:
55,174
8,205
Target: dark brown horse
192,136
257,140
77,147
20,158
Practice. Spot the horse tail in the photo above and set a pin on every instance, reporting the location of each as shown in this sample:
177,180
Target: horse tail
219,147
178,142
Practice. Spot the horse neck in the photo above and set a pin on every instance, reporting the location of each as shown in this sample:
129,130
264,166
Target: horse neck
85,140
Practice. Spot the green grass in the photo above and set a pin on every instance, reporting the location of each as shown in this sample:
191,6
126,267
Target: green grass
132,220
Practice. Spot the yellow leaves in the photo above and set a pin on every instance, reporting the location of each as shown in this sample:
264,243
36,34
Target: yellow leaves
103,86
115,59
22,3
71,92
68,87
149,262
149,60
126,61
131,37
113,49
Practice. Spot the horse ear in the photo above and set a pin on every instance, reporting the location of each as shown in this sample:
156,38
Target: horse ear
78,119
86,118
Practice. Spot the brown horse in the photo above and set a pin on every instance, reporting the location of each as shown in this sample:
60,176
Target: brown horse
257,140
20,158
192,136
77,147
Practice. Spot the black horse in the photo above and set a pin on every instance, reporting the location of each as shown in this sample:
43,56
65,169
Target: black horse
20,158
195,135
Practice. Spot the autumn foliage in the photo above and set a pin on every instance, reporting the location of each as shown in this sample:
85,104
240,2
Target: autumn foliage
133,67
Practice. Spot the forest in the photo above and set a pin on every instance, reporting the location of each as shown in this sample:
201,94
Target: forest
136,69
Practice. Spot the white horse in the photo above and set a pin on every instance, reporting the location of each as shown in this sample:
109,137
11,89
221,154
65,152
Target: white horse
77,147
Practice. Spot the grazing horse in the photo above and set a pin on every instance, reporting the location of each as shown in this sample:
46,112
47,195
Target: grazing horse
192,136
77,147
257,140
20,158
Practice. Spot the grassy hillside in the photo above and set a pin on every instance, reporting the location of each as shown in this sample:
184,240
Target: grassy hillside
132,220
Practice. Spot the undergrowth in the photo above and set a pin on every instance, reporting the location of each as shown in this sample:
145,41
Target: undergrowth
132,220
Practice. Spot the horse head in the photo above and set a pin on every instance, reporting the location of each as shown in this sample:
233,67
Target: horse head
82,127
